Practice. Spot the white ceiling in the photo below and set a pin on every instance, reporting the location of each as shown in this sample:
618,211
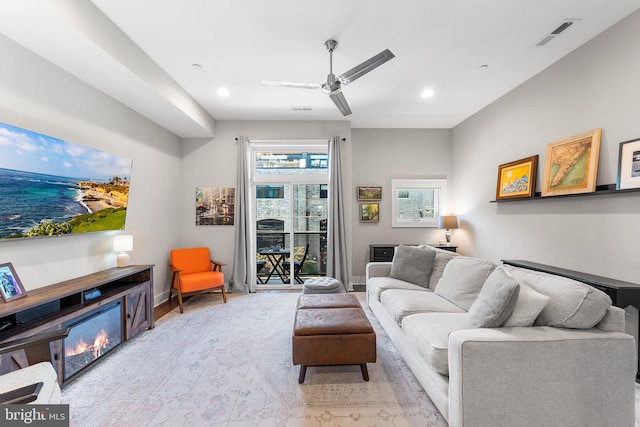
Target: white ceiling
146,59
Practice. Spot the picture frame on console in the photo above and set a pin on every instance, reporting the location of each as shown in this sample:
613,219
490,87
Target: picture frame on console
571,165
629,165
517,179
10,285
370,192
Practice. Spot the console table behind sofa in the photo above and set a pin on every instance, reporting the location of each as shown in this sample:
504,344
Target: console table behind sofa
625,295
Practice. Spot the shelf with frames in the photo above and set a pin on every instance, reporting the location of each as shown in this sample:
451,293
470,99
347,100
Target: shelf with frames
601,190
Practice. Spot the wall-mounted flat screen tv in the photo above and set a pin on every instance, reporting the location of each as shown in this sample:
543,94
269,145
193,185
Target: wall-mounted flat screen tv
52,187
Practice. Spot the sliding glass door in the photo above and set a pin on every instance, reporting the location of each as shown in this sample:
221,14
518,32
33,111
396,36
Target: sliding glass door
291,206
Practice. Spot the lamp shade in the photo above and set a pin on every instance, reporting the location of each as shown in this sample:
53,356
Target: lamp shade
123,243
448,221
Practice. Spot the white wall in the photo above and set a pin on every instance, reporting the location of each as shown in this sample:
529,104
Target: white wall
36,95
213,163
596,86
380,155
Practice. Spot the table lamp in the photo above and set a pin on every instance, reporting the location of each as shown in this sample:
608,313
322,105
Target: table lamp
122,244
448,222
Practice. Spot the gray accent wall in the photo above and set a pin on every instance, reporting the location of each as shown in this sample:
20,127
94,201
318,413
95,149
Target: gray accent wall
596,86
379,156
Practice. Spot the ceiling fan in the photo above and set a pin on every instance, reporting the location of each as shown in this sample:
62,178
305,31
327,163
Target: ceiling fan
333,86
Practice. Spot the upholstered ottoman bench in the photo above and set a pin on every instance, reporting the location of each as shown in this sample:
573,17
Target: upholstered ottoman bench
322,285
332,330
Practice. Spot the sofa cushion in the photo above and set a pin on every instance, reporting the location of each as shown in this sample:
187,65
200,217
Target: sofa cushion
413,264
572,304
495,302
377,285
439,263
429,333
402,302
528,306
462,280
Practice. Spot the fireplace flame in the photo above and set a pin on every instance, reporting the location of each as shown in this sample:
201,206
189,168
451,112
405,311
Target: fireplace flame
100,342
80,348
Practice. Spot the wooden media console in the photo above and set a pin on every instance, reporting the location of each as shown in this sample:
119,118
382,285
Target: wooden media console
126,291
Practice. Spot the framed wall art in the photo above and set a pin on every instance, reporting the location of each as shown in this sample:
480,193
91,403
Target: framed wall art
10,286
517,179
369,212
369,193
215,205
629,165
571,165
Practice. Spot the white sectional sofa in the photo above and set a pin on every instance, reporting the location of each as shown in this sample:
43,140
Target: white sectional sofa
496,345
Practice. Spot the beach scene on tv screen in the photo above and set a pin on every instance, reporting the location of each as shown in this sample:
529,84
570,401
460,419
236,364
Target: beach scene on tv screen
51,187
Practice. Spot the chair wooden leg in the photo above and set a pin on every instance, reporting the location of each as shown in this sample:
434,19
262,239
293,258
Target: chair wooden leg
224,295
180,300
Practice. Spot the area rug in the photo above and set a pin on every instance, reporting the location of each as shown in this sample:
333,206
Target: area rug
230,365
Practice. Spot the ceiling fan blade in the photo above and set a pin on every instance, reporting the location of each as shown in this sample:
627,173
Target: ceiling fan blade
368,65
340,101
291,84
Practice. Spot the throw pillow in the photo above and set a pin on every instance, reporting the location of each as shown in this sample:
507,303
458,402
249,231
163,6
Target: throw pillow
462,280
495,303
572,304
413,264
528,306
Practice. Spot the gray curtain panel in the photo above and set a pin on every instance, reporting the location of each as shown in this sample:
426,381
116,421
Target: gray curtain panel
242,259
336,234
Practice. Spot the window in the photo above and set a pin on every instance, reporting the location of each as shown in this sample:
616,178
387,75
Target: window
268,163
417,202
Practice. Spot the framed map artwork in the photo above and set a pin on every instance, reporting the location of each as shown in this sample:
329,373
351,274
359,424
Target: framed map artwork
517,179
571,165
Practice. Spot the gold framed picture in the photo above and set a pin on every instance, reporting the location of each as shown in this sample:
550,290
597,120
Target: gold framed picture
517,179
369,212
571,165
370,193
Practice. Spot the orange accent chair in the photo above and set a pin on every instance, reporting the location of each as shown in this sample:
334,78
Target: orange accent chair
193,270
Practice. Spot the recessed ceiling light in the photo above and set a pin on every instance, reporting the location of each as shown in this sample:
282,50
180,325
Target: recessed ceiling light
223,91
483,67
196,66
427,93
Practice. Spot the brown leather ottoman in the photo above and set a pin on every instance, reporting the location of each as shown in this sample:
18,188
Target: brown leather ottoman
332,329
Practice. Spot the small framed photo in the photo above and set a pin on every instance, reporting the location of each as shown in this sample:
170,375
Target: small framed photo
517,179
369,193
629,165
571,165
369,212
10,286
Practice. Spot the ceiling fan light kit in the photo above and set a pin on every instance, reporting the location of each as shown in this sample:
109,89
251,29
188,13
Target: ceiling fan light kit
333,86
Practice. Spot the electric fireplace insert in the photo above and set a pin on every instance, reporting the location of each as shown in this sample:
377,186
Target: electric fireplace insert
91,337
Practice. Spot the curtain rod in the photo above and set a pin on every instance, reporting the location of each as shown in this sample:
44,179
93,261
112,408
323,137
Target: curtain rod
343,139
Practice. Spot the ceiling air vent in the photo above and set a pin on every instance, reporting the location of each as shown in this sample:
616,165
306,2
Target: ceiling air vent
555,33
301,108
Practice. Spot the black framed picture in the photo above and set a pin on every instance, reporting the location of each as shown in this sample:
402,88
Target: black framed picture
629,165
